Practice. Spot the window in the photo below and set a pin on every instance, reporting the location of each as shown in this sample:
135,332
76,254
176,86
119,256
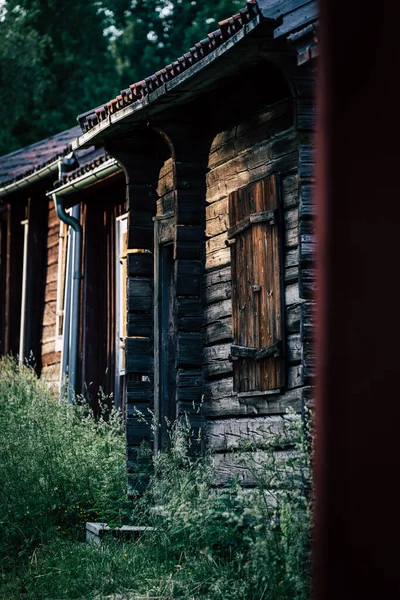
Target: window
254,238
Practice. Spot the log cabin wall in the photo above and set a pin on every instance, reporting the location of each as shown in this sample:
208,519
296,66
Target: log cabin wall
275,139
178,196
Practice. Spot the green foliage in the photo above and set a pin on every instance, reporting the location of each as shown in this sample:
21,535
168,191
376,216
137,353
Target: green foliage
154,33
55,64
59,467
206,542
60,59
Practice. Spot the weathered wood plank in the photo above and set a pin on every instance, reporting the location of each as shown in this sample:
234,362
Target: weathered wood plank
305,113
137,432
166,178
228,466
224,435
261,126
295,377
280,154
216,243
306,160
308,283
294,348
217,310
217,218
307,201
189,314
189,242
292,294
138,355
309,361
189,387
291,217
291,275
293,318
166,230
133,409
218,331
220,401
139,294
216,360
307,241
264,126
190,207
166,204
138,391
216,260
307,325
139,324
140,237
291,258
255,353
189,349
290,189
219,291
140,264
291,238
188,275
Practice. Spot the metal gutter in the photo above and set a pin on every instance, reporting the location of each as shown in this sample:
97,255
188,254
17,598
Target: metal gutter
109,167
29,179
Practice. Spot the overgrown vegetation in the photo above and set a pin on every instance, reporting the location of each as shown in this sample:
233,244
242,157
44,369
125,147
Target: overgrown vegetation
60,467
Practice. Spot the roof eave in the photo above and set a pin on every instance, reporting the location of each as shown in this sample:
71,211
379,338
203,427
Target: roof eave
38,175
100,132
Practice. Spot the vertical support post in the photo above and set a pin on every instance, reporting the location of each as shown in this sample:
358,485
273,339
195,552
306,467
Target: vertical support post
25,225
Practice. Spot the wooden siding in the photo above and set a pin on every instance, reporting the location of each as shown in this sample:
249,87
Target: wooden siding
50,358
191,212
239,157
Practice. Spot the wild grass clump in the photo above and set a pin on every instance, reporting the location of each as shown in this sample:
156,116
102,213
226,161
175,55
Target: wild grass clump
213,537
59,466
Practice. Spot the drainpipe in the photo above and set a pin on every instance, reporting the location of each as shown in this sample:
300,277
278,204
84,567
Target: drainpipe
66,330
73,222
69,360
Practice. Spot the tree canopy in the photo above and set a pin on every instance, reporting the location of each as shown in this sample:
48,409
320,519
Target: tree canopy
59,59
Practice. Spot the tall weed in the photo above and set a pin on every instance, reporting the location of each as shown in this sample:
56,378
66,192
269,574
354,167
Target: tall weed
59,467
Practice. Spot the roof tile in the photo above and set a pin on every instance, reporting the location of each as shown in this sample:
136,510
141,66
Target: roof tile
227,28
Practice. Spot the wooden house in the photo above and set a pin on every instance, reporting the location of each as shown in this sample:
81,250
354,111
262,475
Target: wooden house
45,263
197,248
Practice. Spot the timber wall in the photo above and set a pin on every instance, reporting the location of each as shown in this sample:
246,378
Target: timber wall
268,142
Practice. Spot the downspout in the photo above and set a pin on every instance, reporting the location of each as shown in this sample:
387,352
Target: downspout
66,329
73,222
70,351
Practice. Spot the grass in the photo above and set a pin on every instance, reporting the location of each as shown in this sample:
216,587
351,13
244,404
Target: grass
61,467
